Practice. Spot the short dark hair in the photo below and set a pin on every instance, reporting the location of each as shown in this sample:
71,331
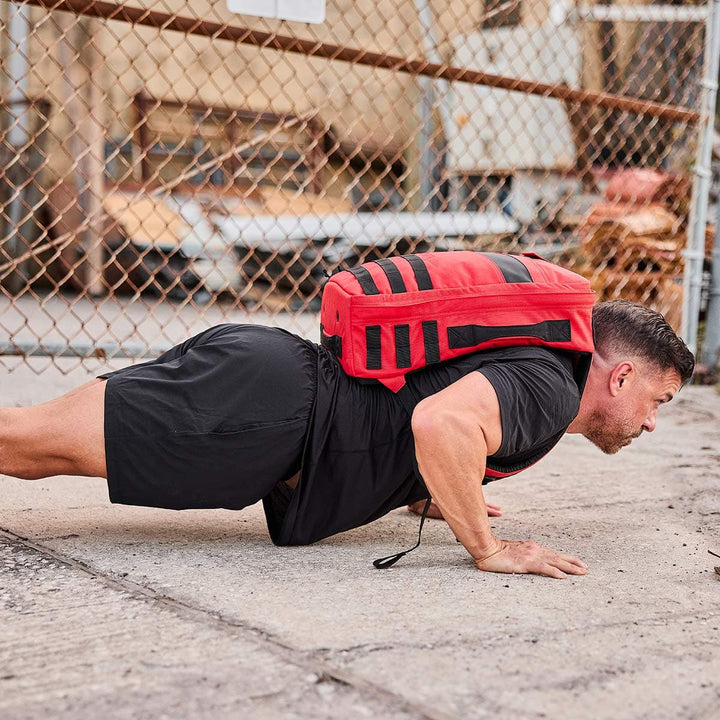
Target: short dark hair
620,325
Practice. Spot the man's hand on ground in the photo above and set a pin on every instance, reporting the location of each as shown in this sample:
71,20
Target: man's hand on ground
512,556
434,511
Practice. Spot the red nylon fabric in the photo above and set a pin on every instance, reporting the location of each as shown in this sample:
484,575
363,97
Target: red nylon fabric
469,288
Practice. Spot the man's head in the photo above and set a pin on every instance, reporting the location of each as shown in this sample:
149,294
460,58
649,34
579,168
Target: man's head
639,363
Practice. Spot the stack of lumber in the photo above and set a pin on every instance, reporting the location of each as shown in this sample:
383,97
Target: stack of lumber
632,243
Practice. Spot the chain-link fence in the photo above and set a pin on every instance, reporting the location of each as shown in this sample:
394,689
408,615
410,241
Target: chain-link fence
167,165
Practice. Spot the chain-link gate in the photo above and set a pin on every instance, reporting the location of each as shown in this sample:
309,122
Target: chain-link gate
168,165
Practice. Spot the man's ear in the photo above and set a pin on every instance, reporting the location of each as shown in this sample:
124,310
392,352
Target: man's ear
620,374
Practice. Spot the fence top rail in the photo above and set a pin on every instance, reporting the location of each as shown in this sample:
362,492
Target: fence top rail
641,13
315,48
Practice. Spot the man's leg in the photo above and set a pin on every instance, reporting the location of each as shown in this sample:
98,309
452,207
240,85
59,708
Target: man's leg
61,437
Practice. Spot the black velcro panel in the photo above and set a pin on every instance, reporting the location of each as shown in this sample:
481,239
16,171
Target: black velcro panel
512,269
402,346
373,349
422,276
464,336
365,279
430,338
397,284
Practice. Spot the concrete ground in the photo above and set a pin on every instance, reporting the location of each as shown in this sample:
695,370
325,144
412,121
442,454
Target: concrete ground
120,612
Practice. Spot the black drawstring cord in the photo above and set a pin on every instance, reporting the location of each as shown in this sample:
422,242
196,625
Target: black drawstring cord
390,560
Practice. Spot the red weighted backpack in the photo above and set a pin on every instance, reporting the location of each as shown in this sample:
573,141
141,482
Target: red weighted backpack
389,317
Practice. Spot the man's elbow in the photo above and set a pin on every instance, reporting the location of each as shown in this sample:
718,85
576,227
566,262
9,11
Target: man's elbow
428,419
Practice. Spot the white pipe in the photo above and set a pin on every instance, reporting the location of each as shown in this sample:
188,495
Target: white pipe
19,133
711,344
432,91
427,23
697,220
18,69
641,13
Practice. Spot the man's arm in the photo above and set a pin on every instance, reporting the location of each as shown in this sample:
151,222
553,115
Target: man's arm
455,430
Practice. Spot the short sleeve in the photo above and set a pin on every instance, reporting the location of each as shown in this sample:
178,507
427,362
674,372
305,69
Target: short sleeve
538,399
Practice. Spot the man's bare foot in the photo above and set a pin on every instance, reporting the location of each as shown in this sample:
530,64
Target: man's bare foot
435,512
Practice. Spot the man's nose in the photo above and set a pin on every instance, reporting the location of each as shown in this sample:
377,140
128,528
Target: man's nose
650,421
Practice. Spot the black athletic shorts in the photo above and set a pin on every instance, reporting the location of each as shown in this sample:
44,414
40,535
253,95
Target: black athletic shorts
215,422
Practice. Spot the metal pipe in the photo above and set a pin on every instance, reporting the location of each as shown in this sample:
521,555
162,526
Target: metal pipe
695,250
711,344
77,109
641,13
429,157
427,166
18,136
18,68
101,351
359,56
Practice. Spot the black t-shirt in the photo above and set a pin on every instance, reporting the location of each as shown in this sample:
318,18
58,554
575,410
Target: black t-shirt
359,457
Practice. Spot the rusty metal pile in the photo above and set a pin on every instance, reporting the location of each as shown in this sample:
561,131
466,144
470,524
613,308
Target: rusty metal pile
639,230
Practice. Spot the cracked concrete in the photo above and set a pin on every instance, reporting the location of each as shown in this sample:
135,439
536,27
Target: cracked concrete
132,612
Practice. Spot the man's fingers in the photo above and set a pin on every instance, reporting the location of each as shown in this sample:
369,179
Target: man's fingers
559,569
566,563
568,559
571,568
435,512
552,571
577,562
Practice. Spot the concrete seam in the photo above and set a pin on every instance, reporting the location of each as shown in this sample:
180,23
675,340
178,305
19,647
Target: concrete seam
322,670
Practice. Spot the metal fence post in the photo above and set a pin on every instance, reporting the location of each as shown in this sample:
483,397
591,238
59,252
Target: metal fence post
695,250
431,170
711,343
19,135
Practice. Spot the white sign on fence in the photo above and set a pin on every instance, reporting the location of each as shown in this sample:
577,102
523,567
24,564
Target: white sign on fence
311,11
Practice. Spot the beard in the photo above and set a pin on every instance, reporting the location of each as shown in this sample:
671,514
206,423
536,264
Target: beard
610,434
